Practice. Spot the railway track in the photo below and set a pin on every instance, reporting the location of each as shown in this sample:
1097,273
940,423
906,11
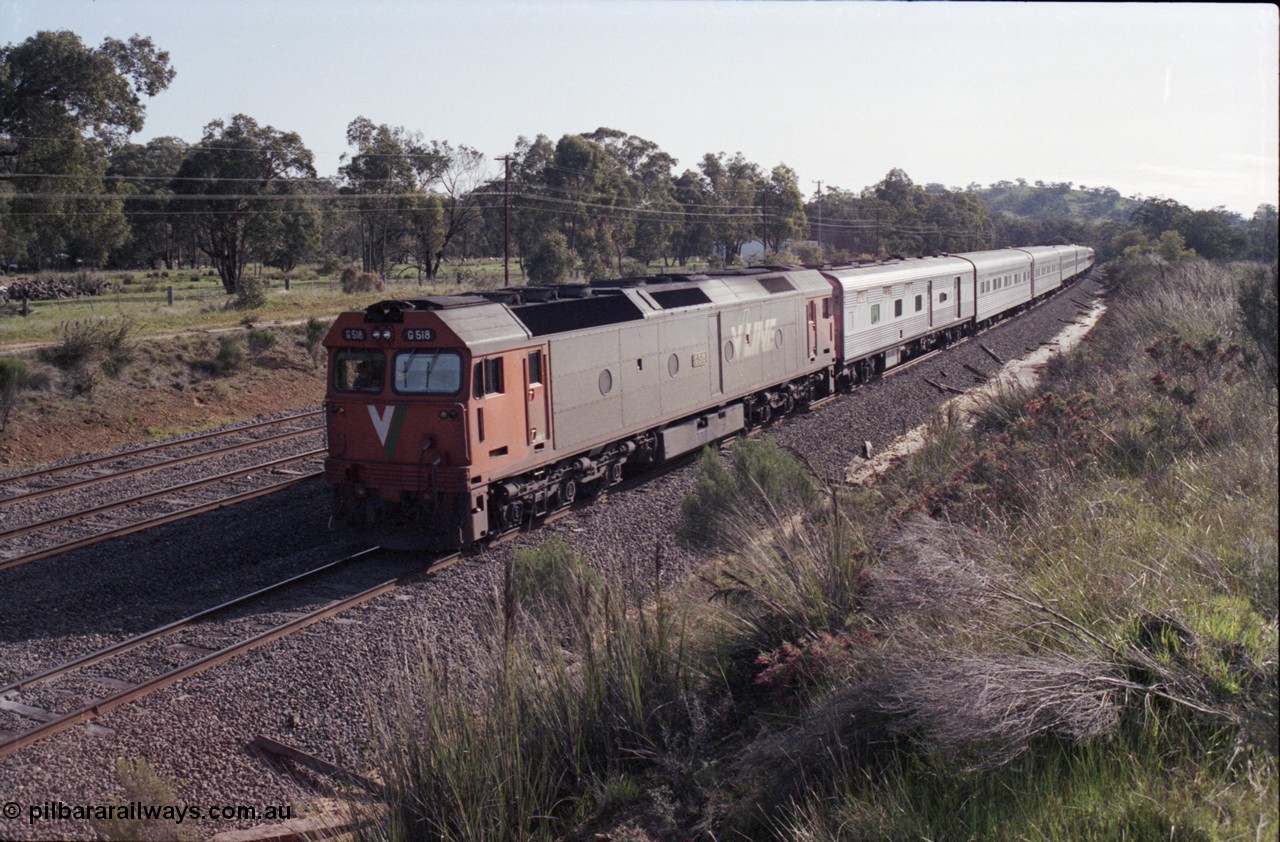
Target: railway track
71,693
53,510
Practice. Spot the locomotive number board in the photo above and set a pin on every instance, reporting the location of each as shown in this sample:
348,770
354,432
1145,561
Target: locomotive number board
418,334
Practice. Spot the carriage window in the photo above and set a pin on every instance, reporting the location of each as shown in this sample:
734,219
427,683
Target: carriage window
875,314
428,372
897,308
359,371
919,303
942,298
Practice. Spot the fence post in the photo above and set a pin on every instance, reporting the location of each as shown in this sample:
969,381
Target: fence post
26,307
170,296
286,283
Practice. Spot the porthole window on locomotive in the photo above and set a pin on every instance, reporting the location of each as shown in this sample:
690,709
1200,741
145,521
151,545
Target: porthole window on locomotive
728,350
777,338
606,382
673,365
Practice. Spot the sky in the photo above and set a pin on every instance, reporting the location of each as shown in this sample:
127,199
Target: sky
1178,100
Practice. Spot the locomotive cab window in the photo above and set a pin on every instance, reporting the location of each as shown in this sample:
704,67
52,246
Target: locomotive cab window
427,373
487,377
535,367
359,371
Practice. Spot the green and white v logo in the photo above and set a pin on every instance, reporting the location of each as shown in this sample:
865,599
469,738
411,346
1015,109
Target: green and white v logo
387,424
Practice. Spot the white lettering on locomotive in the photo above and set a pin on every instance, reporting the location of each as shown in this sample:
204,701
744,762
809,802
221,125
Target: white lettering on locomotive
749,338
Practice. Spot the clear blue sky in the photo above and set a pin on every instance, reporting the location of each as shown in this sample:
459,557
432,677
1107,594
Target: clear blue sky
1177,100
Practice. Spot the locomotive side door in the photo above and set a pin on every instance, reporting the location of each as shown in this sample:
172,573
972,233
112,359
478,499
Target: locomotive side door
811,331
535,389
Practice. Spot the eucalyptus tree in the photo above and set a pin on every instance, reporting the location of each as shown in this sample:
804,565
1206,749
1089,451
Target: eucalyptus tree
534,212
446,202
695,235
143,175
63,108
782,216
379,177
235,187
734,185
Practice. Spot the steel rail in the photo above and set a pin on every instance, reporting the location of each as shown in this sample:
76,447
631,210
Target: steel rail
159,521
18,531
110,703
150,448
155,466
137,640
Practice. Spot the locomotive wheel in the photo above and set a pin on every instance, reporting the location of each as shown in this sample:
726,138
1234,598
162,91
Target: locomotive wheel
513,514
568,491
613,475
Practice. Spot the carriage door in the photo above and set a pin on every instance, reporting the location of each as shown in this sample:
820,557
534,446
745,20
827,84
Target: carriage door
960,309
536,399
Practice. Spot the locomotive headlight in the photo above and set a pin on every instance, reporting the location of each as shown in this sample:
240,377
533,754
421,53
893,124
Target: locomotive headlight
444,414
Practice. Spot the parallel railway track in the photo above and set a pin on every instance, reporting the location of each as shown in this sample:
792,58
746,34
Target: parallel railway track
82,518
206,656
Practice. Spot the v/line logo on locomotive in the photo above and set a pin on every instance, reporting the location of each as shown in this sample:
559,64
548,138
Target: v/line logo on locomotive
387,423
754,338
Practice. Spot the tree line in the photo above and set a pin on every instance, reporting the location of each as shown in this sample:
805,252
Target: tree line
74,191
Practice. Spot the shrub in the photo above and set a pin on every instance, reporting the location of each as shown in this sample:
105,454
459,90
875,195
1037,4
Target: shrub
1257,301
142,784
763,480
89,348
553,576
313,333
251,294
260,341
330,266
356,281
14,378
230,356
551,261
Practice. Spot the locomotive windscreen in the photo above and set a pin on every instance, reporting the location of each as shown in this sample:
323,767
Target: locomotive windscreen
576,314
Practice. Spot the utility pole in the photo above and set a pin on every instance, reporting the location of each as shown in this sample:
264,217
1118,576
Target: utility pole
819,183
506,219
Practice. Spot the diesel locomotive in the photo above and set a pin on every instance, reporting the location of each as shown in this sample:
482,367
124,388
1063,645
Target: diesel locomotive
451,419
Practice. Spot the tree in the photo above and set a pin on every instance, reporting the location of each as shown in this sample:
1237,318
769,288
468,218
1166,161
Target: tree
455,173
379,177
234,189
781,209
63,109
734,186
1263,233
695,234
1215,234
551,261
143,175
